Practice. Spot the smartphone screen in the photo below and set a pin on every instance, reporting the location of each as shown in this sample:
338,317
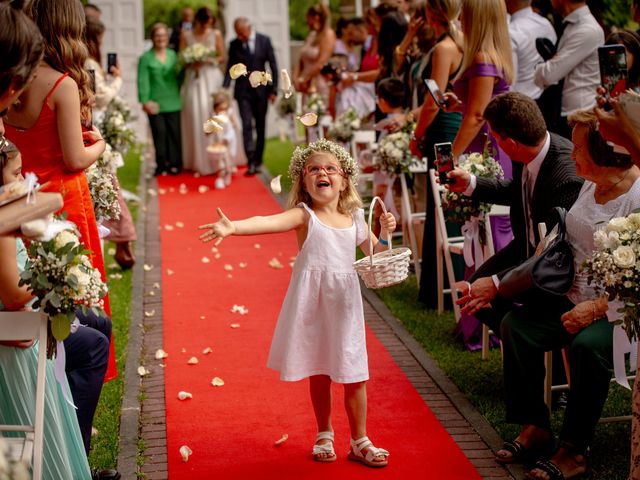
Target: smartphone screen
435,92
444,161
112,60
613,69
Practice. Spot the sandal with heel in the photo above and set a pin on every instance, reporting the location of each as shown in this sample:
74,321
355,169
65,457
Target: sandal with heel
368,459
324,453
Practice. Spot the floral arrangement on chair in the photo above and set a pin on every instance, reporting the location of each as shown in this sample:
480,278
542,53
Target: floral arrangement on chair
60,275
114,128
102,187
393,154
196,53
315,104
615,265
458,207
344,125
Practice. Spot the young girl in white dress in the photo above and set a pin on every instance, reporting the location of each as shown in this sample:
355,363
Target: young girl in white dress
320,332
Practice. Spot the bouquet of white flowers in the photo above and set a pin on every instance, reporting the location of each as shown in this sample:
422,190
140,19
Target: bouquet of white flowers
114,128
393,154
615,266
315,104
60,275
458,207
344,125
196,53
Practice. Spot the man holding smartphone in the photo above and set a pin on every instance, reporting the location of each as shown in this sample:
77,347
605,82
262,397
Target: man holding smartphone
575,61
544,177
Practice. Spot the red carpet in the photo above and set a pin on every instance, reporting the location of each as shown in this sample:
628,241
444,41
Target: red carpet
232,429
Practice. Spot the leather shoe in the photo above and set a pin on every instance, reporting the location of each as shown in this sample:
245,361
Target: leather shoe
124,256
252,170
105,474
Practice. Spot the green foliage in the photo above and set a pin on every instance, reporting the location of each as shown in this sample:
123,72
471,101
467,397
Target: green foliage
170,12
616,13
297,16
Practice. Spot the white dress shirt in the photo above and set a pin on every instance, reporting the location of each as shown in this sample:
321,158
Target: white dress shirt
525,26
576,61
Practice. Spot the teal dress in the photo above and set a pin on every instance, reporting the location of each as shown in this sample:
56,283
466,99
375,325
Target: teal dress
64,455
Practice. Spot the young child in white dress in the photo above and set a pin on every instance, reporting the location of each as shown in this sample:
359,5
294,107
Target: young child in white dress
223,148
320,332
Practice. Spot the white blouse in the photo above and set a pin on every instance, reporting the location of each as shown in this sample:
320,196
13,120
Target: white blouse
585,217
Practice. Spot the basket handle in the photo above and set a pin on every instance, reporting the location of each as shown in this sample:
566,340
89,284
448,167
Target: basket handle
371,208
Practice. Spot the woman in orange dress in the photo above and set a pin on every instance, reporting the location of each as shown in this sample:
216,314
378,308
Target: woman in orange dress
46,125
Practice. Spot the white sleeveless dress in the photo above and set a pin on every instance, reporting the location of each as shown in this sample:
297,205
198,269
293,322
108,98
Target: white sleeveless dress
320,330
197,107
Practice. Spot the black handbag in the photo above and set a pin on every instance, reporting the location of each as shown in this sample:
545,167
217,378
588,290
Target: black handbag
551,272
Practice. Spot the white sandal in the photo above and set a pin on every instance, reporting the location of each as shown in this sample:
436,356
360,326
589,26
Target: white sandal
325,452
368,459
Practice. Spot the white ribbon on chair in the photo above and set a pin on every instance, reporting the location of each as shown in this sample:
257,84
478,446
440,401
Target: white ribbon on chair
621,346
472,248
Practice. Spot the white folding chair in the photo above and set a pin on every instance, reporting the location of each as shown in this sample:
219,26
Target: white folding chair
16,326
324,122
363,140
446,246
410,219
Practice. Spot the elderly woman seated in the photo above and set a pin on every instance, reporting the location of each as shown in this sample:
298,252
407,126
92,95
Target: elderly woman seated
579,321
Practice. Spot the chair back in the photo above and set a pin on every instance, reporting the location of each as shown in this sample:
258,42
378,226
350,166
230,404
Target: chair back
16,326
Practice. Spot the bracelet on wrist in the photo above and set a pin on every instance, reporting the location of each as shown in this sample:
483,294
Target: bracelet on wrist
383,242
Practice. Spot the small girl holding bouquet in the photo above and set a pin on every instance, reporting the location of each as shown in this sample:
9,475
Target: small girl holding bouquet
322,337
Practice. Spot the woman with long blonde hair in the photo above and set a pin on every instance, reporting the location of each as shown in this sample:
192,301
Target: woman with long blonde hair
487,71
46,125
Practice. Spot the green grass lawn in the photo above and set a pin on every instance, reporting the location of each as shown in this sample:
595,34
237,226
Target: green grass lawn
104,446
481,381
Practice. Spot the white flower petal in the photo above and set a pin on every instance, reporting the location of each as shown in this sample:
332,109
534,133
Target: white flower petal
149,313
207,350
217,382
160,354
309,119
228,267
147,268
205,260
185,452
281,440
203,189
237,70
235,325
275,263
169,272
184,395
142,371
192,361
275,185
179,224
255,78
257,246
285,80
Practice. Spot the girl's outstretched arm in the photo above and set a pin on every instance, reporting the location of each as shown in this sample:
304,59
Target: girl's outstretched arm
388,224
282,222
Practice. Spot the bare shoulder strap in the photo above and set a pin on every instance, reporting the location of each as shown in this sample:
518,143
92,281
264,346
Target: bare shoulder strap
55,85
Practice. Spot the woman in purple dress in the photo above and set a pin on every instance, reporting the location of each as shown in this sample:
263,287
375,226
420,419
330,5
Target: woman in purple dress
487,71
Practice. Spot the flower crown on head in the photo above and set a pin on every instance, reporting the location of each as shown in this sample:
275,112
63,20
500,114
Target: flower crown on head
302,154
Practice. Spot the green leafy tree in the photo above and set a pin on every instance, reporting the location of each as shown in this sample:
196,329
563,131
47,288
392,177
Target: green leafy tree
171,12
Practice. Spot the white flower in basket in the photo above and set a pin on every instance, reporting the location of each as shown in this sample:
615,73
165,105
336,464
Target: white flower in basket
384,268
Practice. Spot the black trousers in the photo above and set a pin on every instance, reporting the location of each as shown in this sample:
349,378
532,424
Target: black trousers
167,140
87,353
253,112
527,332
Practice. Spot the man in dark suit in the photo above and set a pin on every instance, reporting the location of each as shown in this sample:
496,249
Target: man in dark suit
253,50
544,177
186,23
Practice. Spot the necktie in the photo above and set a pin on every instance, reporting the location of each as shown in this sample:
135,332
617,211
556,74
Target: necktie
526,204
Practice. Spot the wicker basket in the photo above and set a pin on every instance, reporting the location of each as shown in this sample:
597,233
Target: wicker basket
384,268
